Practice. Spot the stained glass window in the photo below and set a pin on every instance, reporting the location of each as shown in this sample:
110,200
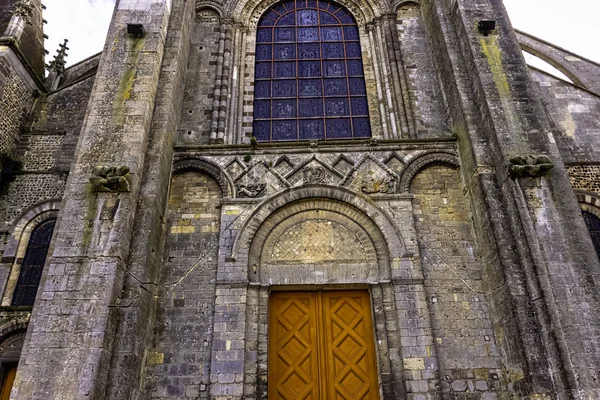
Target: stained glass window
593,225
33,264
309,80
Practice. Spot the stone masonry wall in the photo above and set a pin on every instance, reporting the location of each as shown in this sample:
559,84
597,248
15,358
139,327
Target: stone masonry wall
15,104
180,366
427,102
585,177
469,361
574,114
200,79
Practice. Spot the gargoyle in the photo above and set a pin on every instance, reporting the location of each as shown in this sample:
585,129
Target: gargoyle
529,166
110,179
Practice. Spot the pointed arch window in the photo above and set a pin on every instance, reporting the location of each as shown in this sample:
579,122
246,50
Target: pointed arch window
593,224
309,80
33,264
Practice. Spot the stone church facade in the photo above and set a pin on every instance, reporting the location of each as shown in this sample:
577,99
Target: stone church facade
353,199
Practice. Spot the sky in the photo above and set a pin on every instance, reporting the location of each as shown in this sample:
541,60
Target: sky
573,25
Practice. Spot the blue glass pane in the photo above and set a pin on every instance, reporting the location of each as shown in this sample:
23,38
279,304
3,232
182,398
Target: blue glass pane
350,33
359,106
334,68
262,109
346,19
311,129
333,50
284,130
336,107
331,33
308,34
264,35
328,19
287,19
289,5
309,83
355,68
285,51
310,107
284,108
340,12
309,68
279,9
308,50
262,130
335,87
284,88
266,22
357,86
263,70
307,17
263,52
284,35
352,49
262,89
309,87
362,127
338,128
284,70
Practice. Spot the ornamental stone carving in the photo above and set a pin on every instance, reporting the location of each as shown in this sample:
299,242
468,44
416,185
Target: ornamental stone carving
381,185
111,179
250,190
314,174
529,166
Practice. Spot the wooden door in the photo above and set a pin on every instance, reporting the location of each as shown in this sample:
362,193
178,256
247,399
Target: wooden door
9,379
321,346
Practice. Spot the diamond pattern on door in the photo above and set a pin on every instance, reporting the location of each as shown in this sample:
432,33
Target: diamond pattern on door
349,353
321,346
293,361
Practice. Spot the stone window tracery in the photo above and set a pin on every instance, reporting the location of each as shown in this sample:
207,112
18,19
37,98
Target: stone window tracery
309,78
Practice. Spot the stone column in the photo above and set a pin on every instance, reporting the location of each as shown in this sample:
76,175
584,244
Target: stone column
70,339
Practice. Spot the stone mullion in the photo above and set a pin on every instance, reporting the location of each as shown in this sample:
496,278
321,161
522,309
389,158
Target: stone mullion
389,26
378,81
86,270
224,92
214,125
235,79
408,108
385,66
238,135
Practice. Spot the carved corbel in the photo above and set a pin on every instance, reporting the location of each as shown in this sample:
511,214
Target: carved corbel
529,166
111,179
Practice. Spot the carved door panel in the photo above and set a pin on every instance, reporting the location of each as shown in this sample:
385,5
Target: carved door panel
321,346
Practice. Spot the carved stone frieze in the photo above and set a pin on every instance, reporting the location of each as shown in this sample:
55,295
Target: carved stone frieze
314,174
250,190
382,185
